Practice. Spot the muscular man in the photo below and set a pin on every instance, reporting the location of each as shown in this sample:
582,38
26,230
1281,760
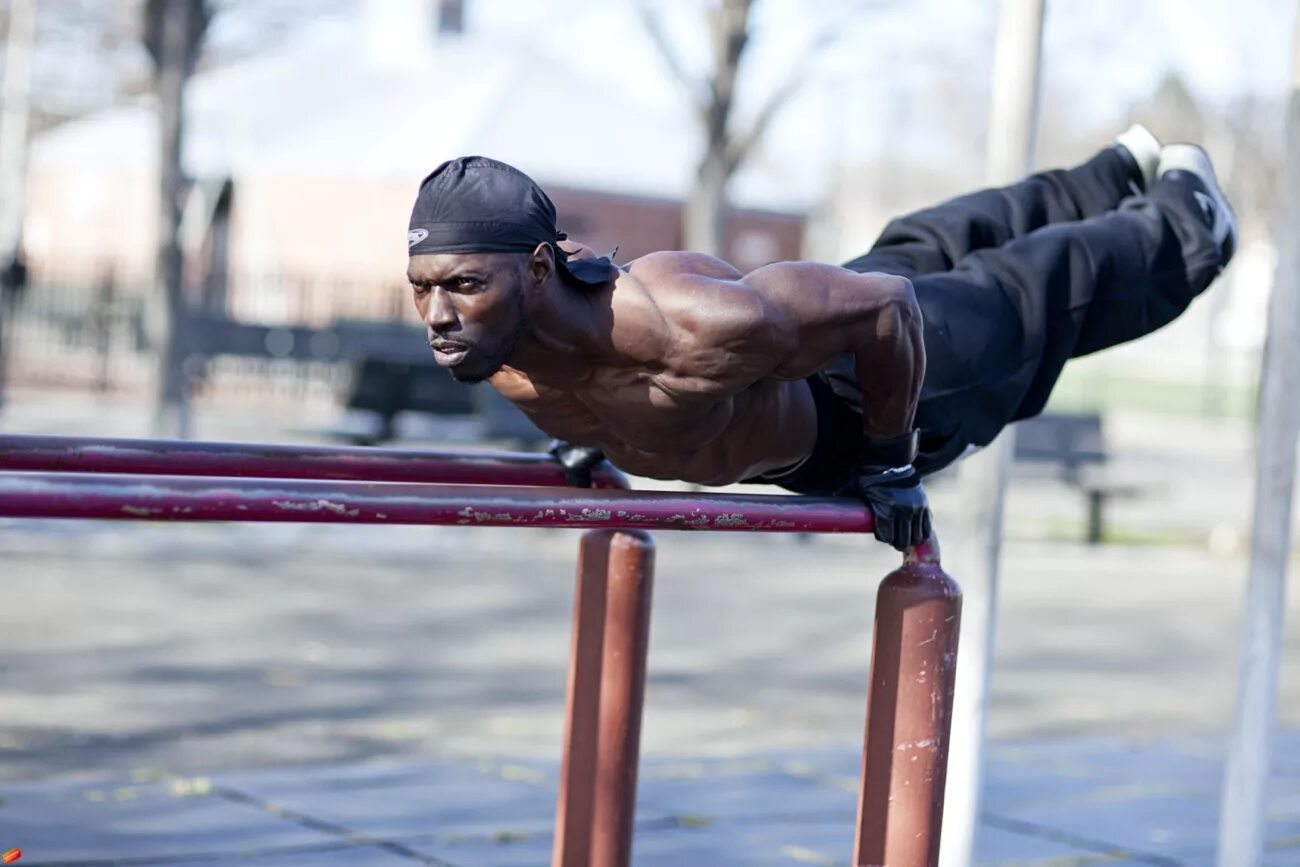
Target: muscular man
858,379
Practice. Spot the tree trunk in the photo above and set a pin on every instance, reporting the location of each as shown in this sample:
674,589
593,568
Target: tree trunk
176,49
14,113
705,215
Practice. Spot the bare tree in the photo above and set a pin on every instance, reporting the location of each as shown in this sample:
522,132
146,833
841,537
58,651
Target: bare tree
713,98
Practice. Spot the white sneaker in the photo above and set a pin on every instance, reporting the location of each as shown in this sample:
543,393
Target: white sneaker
1144,148
1189,159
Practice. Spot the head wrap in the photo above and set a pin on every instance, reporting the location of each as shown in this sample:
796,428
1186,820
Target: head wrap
481,205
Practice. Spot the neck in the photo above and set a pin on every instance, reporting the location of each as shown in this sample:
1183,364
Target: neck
562,331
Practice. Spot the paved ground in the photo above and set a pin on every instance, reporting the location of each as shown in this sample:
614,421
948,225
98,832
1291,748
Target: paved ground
1048,804
147,651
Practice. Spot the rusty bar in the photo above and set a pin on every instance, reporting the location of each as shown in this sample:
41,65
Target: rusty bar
611,623
909,715
628,591
266,461
168,498
575,804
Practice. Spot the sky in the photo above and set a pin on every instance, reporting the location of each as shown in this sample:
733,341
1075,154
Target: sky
901,77
909,75
1100,55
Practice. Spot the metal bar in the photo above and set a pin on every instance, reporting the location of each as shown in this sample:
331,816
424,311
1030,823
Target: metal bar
575,805
630,580
171,498
982,478
265,461
909,715
602,735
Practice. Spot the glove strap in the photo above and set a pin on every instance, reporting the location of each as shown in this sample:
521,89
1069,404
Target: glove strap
891,454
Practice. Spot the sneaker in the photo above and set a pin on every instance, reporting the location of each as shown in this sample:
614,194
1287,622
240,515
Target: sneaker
1144,149
1191,164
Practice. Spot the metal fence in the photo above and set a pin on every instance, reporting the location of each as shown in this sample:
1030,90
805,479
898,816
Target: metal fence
94,334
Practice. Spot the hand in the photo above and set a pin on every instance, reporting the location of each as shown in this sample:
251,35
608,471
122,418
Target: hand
577,461
891,487
898,505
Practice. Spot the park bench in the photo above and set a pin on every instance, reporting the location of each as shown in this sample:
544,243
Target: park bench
393,372
1073,447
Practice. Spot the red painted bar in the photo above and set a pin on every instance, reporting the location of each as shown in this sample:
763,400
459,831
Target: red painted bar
596,805
266,461
177,498
909,714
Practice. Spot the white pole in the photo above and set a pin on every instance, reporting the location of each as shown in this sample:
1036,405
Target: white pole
1013,124
1250,745
13,122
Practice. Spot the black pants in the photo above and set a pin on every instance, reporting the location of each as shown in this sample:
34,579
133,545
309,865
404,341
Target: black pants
1012,283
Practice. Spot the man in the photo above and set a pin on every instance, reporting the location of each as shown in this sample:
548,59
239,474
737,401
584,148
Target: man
821,379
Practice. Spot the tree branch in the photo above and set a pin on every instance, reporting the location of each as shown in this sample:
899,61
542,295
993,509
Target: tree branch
654,27
742,144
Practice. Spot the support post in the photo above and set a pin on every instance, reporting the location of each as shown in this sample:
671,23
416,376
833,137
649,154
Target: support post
1250,745
909,715
1013,125
596,808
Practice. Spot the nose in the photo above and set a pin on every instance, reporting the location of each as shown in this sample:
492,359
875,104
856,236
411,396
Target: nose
441,315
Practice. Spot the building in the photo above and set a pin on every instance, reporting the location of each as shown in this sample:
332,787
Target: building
313,154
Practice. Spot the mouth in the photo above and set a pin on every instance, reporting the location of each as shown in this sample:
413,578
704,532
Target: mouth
448,354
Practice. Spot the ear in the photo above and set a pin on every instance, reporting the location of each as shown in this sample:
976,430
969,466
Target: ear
541,264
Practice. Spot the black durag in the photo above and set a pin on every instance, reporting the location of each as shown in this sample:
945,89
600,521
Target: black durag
481,205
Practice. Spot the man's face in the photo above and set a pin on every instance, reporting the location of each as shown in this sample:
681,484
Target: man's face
472,305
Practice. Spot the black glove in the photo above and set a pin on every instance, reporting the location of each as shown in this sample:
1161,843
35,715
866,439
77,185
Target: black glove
577,461
891,487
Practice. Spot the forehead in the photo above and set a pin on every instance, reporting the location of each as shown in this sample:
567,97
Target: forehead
433,267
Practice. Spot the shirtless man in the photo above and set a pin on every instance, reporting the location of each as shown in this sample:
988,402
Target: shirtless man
858,379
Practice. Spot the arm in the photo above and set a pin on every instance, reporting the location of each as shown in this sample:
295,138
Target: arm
876,317
873,316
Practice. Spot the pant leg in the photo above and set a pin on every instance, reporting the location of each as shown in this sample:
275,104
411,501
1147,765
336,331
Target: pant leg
936,238
1069,290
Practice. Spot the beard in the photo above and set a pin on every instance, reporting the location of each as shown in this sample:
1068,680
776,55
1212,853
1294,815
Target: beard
473,371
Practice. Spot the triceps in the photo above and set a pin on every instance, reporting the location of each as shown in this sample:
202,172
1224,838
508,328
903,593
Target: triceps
874,317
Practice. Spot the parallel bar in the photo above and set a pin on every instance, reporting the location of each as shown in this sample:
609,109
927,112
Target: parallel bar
265,461
169,498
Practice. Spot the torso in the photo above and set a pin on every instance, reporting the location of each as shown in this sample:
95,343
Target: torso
652,406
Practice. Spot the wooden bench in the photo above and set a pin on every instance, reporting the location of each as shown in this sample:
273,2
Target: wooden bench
1074,447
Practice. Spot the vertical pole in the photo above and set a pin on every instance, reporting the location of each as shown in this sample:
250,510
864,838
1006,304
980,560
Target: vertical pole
611,635
1013,124
909,715
1250,745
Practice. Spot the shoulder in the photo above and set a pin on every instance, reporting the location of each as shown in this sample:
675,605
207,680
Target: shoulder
684,264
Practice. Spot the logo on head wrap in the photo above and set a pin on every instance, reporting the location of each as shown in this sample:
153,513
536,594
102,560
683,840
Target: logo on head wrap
415,236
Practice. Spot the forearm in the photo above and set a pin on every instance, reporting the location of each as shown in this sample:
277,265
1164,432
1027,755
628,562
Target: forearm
890,366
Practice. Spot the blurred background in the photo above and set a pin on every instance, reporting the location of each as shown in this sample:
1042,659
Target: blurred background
201,220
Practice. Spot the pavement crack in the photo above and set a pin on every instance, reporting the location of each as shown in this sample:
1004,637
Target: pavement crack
307,821
1056,835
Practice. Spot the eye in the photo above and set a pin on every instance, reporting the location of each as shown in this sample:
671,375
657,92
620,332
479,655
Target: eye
467,284
420,289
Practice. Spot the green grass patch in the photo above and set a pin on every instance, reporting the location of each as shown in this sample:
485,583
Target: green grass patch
1081,389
